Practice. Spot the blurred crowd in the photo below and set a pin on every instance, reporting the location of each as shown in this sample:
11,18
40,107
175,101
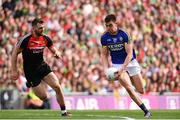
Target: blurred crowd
76,26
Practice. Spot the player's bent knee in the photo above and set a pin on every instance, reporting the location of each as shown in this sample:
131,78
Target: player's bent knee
57,88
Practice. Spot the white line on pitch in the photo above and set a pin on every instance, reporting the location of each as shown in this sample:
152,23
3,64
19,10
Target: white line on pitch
115,117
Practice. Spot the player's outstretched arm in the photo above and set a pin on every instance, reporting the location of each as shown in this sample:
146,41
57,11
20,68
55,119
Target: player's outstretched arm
129,51
55,52
128,48
14,70
104,57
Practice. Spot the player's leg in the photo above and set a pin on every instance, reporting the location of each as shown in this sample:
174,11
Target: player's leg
124,80
41,91
134,71
53,82
137,81
38,86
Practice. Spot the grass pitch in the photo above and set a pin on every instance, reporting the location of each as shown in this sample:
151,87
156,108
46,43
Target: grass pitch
87,114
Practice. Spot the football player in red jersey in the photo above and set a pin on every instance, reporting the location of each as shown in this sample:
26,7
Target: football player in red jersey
36,70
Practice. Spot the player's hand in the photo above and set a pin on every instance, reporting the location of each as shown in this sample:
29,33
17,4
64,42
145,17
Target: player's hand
118,74
58,55
14,75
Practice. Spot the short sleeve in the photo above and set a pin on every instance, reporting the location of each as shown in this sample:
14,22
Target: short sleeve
103,42
126,37
23,42
49,41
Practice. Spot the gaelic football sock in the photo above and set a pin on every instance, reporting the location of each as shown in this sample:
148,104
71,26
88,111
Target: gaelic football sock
63,109
143,107
46,104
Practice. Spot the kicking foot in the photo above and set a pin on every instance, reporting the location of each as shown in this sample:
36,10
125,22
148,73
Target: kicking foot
66,114
147,115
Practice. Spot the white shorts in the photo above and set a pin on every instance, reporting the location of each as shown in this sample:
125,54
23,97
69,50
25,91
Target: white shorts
133,68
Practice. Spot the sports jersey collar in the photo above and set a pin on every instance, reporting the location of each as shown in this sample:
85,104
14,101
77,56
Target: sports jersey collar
115,33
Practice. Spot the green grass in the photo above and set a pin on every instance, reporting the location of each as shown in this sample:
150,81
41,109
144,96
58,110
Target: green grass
87,114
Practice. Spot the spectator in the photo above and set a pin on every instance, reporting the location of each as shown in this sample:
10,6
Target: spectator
76,26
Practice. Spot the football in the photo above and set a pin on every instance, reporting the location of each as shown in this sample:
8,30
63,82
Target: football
110,73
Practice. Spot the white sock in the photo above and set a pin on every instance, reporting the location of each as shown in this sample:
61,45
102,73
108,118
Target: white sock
63,111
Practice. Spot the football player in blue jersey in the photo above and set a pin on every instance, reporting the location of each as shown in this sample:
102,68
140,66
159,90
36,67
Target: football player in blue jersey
117,43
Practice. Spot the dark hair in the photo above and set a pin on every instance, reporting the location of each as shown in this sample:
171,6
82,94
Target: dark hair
110,17
36,21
